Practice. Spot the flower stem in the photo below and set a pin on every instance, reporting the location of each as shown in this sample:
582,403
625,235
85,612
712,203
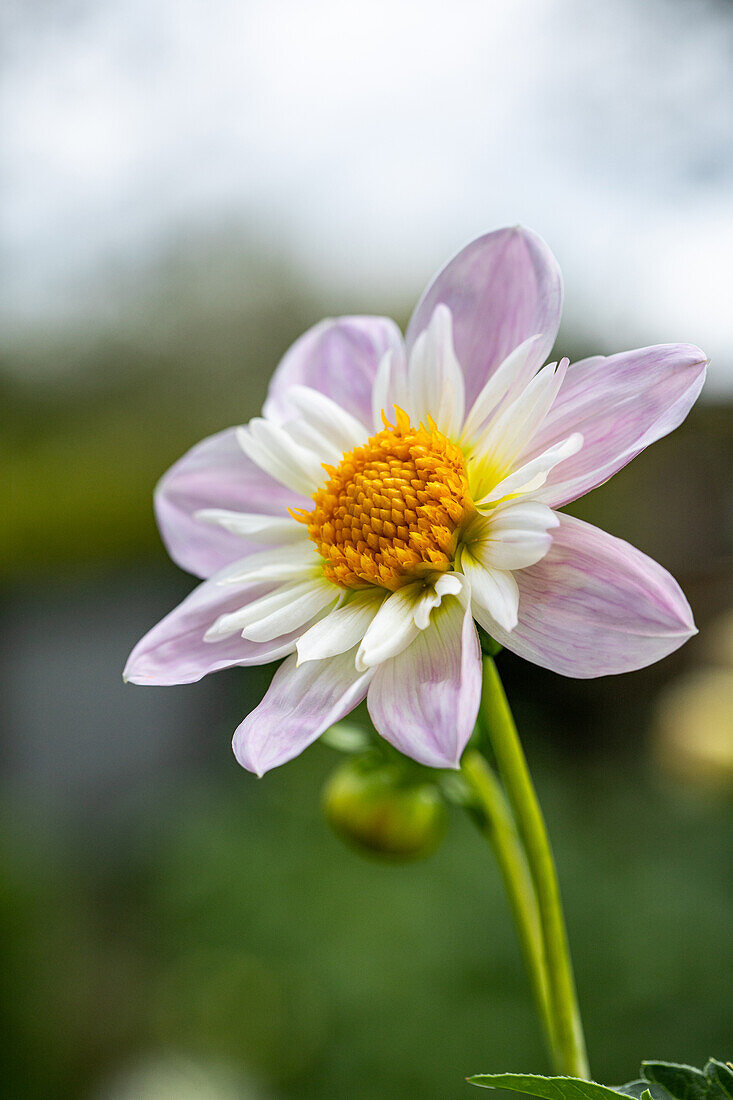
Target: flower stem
495,820
499,724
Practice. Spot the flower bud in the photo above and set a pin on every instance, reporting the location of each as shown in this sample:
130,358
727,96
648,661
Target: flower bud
374,808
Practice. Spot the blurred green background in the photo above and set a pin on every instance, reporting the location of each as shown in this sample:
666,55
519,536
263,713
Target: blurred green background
171,927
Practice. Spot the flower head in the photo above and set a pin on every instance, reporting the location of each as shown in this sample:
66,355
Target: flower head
396,492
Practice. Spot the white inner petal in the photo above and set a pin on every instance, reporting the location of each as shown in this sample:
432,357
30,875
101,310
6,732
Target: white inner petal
513,536
448,584
285,597
390,389
402,616
528,514
306,435
533,475
292,561
497,450
277,453
341,629
314,598
255,526
391,630
342,430
496,590
506,382
435,380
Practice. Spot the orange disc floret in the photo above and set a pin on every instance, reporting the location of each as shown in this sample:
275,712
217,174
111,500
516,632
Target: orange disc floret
391,511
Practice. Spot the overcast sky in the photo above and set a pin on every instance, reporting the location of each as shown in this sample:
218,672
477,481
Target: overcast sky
371,140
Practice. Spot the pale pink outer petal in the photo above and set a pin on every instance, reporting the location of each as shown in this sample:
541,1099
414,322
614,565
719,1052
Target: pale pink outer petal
302,702
425,700
174,651
501,289
620,405
215,473
338,357
595,606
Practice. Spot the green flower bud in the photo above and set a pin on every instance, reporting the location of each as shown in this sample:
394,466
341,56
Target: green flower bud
377,810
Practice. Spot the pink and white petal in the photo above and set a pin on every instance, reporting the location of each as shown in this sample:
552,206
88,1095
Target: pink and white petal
339,358
435,386
215,474
302,702
595,606
425,701
175,652
341,629
501,289
621,404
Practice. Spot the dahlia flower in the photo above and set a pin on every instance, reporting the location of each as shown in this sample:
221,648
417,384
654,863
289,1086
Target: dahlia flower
397,492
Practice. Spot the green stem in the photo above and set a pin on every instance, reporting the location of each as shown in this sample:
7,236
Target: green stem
512,764
497,824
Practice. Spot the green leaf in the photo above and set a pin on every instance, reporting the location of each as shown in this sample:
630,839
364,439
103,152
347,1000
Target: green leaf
682,1082
549,1088
634,1088
721,1076
640,1088
661,1081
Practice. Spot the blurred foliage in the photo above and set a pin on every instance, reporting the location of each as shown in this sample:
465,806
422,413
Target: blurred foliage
231,927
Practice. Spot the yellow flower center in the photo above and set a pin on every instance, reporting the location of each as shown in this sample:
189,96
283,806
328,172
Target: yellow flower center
392,509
